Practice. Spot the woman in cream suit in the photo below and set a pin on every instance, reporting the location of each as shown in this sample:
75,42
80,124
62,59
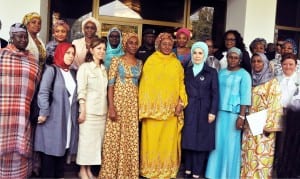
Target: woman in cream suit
92,96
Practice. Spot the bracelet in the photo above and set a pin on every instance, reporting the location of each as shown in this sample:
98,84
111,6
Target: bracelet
242,117
81,101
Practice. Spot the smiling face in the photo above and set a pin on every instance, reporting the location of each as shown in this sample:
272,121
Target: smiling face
132,45
69,56
288,66
230,40
166,46
60,33
182,40
198,55
98,52
34,25
20,40
257,63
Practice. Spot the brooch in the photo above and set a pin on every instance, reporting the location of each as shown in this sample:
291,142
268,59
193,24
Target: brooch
201,78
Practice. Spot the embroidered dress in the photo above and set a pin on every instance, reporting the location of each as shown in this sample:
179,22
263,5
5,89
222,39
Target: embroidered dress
161,86
258,151
121,140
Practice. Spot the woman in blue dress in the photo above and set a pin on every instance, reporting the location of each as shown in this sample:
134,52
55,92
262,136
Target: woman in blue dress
235,96
198,135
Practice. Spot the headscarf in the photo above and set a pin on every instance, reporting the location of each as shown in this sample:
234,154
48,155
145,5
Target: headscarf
112,52
17,27
293,44
127,36
162,36
61,23
28,17
93,20
197,68
265,74
60,53
235,50
184,31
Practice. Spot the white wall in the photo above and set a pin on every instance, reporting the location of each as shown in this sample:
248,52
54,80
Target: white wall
252,18
12,11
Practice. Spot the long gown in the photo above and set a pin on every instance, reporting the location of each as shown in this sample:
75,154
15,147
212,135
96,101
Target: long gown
161,86
258,151
235,90
121,139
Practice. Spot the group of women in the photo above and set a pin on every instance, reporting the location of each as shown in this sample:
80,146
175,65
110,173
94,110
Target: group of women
94,91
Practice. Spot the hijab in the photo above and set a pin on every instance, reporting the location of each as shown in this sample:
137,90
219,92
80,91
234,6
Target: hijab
265,74
197,68
112,52
59,54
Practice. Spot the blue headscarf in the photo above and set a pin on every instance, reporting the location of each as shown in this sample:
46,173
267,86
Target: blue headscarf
113,52
197,68
293,44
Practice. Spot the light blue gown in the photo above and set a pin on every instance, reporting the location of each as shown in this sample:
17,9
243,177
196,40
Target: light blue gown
235,90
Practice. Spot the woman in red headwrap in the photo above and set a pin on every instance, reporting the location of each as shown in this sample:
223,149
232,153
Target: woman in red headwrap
182,51
57,130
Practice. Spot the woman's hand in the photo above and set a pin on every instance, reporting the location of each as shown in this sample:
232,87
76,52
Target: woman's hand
178,109
211,118
81,117
41,119
239,123
112,114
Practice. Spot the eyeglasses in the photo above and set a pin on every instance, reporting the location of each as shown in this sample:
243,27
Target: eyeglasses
233,40
114,36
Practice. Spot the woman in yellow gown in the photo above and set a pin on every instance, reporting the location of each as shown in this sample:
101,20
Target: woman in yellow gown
162,97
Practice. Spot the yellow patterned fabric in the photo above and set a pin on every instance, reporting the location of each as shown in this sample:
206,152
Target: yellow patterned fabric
121,138
258,151
161,86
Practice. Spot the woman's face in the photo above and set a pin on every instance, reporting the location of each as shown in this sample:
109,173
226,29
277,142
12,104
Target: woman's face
230,41
20,40
98,52
288,66
132,45
198,55
259,48
60,33
34,25
233,60
182,40
166,46
69,56
257,63
90,30
114,39
287,48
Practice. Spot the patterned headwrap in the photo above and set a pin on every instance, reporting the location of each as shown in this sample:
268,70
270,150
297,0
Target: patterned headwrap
161,37
17,27
184,31
235,50
93,20
291,41
127,36
61,23
28,17
60,53
265,74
